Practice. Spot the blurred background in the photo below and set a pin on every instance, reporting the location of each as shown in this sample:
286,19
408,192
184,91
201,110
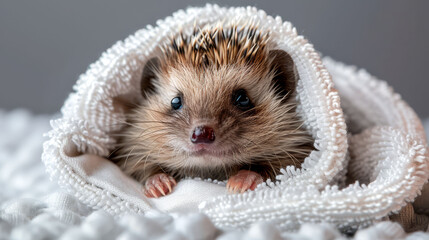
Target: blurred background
45,45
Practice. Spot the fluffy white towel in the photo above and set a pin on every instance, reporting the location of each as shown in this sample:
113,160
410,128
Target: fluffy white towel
383,144
62,216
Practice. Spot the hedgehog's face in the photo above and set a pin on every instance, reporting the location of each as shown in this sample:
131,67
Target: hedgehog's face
218,116
217,113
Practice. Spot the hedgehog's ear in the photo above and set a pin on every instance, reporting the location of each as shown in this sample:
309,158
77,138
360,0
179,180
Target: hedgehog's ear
147,85
284,71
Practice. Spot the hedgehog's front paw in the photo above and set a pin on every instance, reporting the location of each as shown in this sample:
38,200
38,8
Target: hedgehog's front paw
243,181
159,185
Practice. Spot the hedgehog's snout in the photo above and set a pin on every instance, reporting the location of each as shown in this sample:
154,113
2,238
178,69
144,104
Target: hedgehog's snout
203,134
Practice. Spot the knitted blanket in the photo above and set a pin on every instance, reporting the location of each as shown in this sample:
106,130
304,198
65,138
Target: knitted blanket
364,135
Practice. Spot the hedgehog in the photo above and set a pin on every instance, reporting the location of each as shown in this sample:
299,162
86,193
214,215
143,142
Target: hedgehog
218,103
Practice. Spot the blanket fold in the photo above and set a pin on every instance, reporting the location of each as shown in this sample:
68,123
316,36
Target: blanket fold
370,161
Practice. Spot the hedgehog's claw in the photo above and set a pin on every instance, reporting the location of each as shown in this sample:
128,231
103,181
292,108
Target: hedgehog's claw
159,185
244,180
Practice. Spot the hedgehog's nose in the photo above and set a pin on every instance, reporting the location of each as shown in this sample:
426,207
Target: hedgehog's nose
203,134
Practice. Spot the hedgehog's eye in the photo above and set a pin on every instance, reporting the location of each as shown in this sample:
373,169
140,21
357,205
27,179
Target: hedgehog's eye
176,103
241,100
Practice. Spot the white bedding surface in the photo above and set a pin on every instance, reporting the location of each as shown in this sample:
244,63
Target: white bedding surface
32,207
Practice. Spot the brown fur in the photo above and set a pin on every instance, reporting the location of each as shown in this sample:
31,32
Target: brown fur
204,69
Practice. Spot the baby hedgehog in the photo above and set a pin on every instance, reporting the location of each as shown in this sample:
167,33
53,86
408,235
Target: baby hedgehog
218,103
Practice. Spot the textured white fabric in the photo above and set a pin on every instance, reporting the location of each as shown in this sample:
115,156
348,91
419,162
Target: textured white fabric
48,213
21,174
384,146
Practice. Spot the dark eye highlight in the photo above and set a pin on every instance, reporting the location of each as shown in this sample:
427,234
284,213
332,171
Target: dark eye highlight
176,103
241,100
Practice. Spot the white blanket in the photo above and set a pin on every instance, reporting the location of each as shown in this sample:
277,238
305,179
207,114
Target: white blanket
46,212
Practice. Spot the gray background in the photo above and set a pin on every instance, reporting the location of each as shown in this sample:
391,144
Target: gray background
45,45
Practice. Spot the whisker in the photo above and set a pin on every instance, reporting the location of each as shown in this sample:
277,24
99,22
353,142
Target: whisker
126,159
